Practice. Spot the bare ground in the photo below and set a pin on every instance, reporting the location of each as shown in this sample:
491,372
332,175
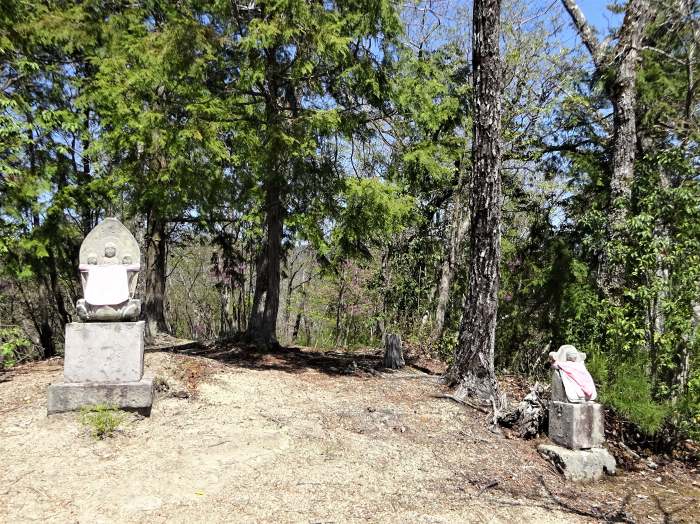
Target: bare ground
296,436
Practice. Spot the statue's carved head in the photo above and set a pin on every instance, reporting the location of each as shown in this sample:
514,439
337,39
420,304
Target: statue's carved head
567,353
110,250
110,243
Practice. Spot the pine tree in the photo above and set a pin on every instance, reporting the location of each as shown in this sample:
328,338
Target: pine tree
473,367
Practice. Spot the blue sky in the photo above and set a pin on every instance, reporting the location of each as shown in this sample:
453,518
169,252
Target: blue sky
598,15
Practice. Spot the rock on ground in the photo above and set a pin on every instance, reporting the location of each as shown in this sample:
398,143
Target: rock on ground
579,465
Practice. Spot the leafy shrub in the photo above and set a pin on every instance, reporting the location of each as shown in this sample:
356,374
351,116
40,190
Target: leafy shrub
689,409
13,344
629,393
103,420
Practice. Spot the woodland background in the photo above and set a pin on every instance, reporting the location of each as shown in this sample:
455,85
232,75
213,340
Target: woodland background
299,172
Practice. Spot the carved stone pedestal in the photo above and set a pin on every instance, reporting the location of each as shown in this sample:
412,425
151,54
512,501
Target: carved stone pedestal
104,352
576,426
71,396
103,365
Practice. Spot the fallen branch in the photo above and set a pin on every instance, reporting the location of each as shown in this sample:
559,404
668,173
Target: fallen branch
490,485
410,376
464,402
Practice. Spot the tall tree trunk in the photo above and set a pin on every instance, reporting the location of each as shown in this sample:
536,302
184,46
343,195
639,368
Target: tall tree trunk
473,367
227,317
262,327
42,319
156,260
623,98
260,291
87,212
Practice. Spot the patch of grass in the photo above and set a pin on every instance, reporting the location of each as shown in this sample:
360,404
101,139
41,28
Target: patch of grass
630,395
103,420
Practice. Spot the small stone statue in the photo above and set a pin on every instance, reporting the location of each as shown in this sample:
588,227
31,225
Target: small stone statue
575,420
571,381
109,278
576,424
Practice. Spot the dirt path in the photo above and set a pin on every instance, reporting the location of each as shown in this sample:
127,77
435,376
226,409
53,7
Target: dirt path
291,438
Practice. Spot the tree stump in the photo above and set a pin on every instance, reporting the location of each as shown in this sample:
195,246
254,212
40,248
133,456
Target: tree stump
393,354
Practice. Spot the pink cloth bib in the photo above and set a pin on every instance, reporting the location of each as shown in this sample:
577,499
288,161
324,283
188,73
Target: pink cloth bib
577,372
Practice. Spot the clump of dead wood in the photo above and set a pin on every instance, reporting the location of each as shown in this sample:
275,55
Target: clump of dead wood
530,417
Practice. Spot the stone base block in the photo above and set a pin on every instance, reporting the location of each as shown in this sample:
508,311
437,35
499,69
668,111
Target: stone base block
579,465
104,352
71,396
576,426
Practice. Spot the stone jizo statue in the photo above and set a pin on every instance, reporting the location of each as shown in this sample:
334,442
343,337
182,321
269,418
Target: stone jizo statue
109,267
576,422
571,381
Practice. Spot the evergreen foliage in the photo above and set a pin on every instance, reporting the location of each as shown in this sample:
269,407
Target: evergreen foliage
299,171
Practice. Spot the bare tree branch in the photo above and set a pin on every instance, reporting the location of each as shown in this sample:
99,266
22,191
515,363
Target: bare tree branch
585,31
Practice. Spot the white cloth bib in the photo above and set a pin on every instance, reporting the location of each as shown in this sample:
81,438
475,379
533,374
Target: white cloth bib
106,285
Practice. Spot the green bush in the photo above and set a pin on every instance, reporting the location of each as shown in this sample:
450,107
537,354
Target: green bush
688,409
13,344
629,393
103,420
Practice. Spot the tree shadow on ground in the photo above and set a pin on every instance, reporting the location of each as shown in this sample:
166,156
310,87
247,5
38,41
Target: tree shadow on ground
289,359
612,515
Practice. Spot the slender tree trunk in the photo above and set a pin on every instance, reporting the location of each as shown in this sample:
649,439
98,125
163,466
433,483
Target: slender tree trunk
473,367
339,305
156,259
257,310
612,275
42,320
287,305
84,176
458,225
300,313
274,247
227,317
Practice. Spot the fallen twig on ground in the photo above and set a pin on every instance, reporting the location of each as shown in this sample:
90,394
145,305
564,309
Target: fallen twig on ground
461,401
410,376
490,485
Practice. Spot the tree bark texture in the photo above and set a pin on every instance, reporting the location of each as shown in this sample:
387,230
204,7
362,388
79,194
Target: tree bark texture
393,352
473,367
623,99
262,327
156,266
458,225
